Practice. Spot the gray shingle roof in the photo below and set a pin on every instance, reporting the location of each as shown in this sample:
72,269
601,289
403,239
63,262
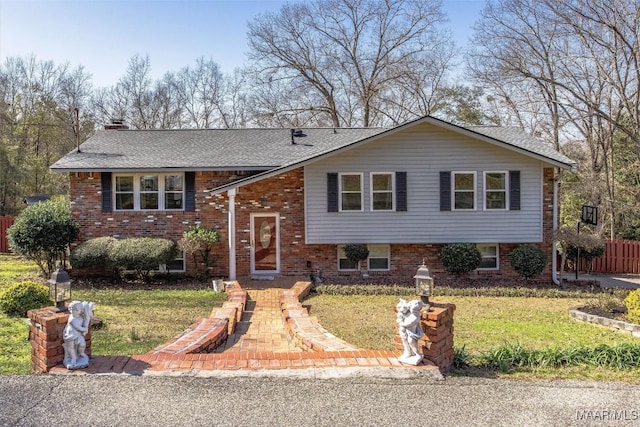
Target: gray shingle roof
254,149
518,138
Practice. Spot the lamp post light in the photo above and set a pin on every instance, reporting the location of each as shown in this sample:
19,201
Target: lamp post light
60,289
424,283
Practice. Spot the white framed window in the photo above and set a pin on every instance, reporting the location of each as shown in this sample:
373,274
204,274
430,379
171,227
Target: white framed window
495,191
350,192
490,256
378,260
174,266
382,191
464,191
139,192
345,264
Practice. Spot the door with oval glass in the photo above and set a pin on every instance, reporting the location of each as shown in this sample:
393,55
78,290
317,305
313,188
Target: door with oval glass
265,243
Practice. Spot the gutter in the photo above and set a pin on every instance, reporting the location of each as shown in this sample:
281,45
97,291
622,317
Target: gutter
554,228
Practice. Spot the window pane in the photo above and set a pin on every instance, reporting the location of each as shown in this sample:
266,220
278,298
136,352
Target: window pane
350,182
346,264
124,183
382,201
378,251
489,256
351,202
464,200
382,182
149,201
496,181
173,183
378,263
148,183
124,201
488,263
464,181
496,200
173,201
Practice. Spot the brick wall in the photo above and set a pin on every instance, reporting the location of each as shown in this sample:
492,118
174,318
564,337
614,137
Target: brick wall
284,194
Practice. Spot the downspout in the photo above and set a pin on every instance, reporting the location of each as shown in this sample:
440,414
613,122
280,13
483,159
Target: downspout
232,233
554,227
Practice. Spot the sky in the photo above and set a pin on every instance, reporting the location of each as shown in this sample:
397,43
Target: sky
103,35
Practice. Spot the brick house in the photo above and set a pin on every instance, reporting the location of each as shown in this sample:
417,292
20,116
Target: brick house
286,201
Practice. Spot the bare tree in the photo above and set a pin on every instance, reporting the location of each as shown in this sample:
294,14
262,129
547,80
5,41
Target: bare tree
38,125
352,59
568,70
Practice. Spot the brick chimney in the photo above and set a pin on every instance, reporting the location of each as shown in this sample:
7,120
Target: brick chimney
116,124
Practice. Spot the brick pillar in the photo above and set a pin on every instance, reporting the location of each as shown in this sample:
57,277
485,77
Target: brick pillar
437,342
45,334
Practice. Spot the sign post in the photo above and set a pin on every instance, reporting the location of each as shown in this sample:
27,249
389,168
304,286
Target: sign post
589,217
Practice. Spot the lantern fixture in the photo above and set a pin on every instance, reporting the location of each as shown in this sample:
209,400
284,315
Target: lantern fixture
424,283
60,289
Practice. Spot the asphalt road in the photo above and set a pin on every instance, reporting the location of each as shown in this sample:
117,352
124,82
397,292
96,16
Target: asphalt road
47,400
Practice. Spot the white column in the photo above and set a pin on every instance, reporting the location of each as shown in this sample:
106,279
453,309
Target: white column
232,233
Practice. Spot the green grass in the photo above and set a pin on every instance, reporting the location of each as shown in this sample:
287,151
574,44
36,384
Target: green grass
483,325
12,267
136,321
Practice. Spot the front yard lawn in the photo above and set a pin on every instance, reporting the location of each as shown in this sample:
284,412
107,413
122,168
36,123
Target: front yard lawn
480,323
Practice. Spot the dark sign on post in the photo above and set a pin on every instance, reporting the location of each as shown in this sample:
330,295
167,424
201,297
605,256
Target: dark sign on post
590,215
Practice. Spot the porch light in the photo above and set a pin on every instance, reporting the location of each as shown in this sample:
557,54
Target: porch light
60,289
424,283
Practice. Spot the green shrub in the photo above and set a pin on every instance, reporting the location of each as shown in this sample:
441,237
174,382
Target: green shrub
198,242
632,302
42,233
514,356
356,252
141,254
92,253
460,257
21,297
528,260
409,291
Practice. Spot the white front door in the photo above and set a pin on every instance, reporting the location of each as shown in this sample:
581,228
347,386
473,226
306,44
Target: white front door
265,243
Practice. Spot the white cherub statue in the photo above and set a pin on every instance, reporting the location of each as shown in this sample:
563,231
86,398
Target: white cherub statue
410,330
74,334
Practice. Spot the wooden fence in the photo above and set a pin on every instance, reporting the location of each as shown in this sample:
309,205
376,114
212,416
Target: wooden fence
621,256
5,223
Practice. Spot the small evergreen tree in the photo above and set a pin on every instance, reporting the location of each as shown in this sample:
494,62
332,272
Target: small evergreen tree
43,232
460,258
356,252
198,242
528,260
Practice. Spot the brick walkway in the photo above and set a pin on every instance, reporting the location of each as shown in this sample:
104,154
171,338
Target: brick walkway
274,333
261,327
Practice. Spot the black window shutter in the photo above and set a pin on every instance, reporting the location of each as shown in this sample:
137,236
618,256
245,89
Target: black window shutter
190,191
105,182
332,192
401,191
514,190
445,191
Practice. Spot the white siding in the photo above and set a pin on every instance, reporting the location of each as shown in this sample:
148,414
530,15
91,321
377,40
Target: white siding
423,152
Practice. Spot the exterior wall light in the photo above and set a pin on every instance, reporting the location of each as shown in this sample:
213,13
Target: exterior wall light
424,283
60,289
